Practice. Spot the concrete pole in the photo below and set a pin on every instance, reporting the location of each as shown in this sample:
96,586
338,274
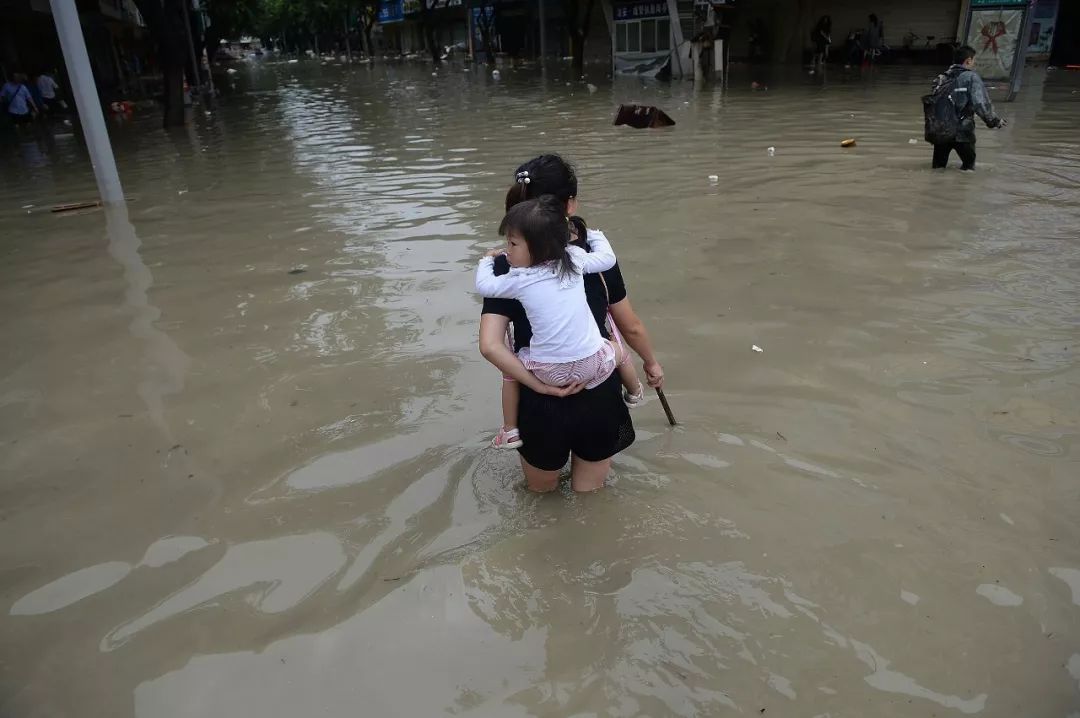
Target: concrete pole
609,20
86,100
1021,54
962,27
676,33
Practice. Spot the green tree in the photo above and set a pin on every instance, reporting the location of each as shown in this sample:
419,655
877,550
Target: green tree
231,19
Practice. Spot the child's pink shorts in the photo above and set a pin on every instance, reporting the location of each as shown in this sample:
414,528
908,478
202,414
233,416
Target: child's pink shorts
590,371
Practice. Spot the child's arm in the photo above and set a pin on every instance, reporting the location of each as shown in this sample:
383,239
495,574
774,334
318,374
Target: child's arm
494,349
487,284
602,256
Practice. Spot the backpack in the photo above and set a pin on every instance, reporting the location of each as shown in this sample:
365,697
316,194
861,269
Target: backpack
941,116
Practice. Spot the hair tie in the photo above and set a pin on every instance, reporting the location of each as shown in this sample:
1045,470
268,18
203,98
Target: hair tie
523,177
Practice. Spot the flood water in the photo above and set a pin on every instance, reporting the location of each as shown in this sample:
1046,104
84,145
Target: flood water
244,424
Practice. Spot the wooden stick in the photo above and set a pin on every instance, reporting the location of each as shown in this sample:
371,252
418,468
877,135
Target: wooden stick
72,207
667,407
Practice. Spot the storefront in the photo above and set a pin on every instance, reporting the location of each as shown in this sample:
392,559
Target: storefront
918,24
397,33
643,39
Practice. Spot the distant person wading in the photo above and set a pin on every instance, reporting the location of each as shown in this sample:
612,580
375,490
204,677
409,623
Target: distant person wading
15,96
957,96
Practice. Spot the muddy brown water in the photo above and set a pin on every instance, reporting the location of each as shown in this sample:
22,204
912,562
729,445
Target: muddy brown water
234,489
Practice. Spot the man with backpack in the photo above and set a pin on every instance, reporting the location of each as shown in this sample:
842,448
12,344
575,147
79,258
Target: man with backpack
957,96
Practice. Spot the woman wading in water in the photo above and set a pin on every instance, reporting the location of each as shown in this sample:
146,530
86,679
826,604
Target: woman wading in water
589,426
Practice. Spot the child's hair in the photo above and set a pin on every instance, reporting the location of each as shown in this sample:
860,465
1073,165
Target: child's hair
542,223
963,54
547,175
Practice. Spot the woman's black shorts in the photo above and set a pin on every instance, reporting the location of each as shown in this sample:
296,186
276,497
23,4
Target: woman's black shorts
593,425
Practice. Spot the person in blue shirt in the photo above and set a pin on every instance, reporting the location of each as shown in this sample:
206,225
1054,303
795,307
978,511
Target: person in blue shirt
17,99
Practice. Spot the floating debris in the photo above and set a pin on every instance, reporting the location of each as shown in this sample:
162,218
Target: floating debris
642,116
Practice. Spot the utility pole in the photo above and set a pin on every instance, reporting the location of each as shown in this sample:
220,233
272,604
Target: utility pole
73,45
543,30
197,79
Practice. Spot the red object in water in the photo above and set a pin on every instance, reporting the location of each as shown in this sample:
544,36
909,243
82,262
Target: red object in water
1072,67
642,116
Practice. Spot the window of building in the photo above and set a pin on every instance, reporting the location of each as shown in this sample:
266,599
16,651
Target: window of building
663,34
633,37
648,35
645,36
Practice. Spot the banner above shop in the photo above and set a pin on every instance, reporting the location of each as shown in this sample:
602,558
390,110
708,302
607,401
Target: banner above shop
391,11
413,6
641,11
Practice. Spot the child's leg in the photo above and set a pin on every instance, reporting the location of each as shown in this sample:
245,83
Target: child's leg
629,377
624,366
508,436
633,390
511,393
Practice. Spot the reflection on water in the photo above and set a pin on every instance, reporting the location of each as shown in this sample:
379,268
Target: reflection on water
278,573
244,420
70,589
166,364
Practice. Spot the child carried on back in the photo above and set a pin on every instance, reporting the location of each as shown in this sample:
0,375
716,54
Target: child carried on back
547,276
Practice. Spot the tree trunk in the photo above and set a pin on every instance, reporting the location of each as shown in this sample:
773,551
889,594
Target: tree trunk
173,87
429,32
794,44
348,49
577,52
580,19
166,22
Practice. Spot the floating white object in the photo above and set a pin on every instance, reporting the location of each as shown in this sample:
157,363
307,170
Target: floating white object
756,348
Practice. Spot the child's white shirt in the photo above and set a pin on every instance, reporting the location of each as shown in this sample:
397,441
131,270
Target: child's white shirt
563,326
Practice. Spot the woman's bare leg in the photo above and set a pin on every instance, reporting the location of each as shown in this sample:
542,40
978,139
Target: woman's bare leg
538,480
588,475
